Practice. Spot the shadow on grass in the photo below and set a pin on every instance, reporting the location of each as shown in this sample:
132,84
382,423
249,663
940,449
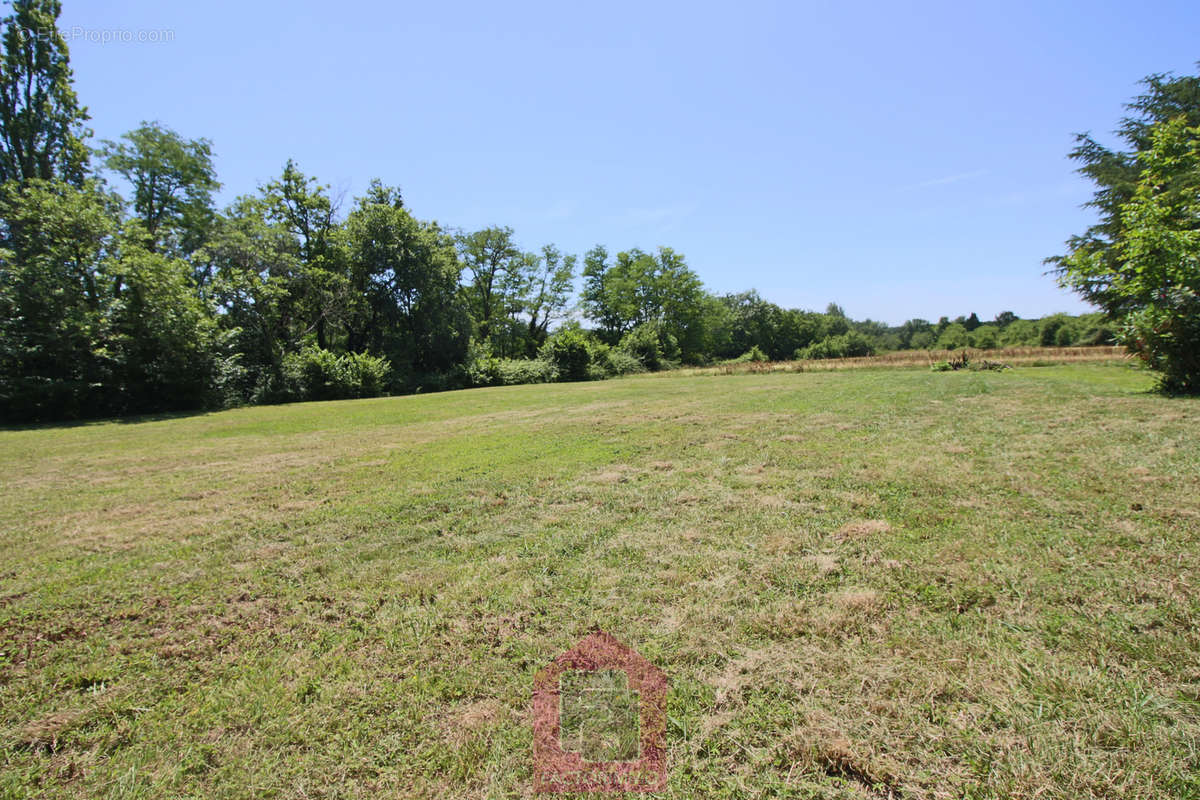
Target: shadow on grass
129,419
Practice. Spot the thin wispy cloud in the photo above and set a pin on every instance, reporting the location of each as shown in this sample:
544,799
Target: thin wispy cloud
666,215
947,180
558,211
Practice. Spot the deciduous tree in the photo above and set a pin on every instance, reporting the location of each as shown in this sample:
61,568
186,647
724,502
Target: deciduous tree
41,121
172,180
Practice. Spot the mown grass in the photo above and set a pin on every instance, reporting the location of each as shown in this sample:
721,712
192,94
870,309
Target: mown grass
861,584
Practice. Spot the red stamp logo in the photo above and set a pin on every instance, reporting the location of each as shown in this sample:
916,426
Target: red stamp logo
599,719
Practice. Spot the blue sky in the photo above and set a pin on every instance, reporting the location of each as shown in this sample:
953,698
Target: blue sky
904,160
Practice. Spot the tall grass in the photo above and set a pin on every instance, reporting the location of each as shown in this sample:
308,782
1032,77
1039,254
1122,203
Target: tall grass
1013,356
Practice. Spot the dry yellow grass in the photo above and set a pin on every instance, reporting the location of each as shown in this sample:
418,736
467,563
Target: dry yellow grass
1012,356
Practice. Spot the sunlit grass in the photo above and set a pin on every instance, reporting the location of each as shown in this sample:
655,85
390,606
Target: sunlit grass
929,584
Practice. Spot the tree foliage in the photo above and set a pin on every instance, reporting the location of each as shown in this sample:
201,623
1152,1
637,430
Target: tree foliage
1141,261
41,121
636,287
412,272
172,181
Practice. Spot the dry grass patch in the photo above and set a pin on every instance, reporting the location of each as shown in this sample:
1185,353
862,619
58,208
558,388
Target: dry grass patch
821,750
863,529
470,720
824,564
859,600
770,500
44,733
617,473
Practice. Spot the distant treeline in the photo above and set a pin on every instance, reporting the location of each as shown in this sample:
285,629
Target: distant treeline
151,299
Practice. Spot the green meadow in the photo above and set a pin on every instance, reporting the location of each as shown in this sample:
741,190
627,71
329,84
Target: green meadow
860,584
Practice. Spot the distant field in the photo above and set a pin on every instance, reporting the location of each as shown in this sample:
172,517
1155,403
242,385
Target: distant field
1012,356
860,583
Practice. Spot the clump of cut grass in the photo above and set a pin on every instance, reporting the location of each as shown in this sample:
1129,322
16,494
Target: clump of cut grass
863,529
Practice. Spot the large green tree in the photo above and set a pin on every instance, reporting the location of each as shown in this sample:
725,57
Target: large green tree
258,282
1141,261
303,207
53,297
635,288
410,270
41,121
91,322
173,180
544,292
493,260
160,340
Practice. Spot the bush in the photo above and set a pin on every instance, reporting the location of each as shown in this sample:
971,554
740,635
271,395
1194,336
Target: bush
317,374
985,337
480,364
961,361
1166,336
955,336
921,340
1050,328
1021,333
851,344
652,345
1095,329
570,352
514,371
37,398
754,354
484,369
621,362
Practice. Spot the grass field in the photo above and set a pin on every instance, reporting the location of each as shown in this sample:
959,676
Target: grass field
861,584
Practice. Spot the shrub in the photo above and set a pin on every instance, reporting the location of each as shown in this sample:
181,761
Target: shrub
754,354
361,375
513,371
955,336
961,361
621,362
851,344
570,352
921,340
985,337
652,345
317,374
480,365
1166,336
484,369
1094,329
1021,333
1050,327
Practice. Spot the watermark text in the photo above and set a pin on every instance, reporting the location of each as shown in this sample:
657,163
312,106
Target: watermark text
78,33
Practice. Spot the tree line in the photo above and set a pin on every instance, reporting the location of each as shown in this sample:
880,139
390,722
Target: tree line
148,298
